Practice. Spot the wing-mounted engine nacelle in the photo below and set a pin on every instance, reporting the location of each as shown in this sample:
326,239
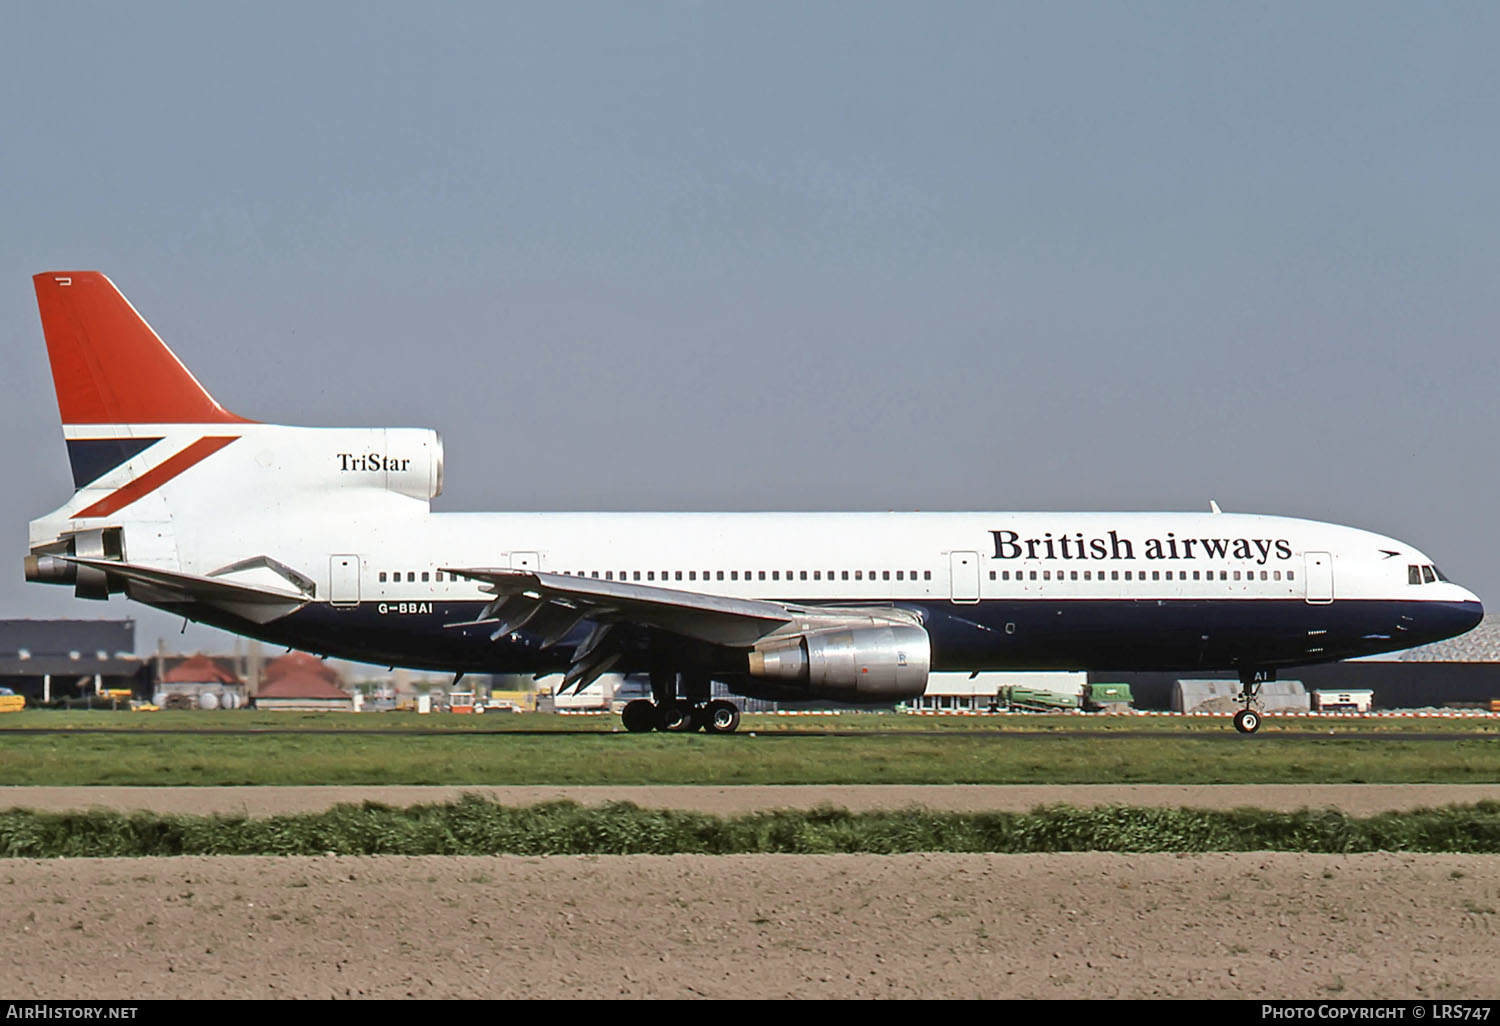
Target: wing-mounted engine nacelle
884,663
47,566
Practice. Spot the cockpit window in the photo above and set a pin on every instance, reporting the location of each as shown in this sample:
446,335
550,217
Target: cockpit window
1413,574
1440,575
1427,575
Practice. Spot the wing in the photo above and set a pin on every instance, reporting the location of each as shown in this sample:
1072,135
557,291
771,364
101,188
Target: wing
563,602
522,594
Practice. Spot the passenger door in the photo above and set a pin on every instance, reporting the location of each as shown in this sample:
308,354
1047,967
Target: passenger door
963,575
343,580
1319,573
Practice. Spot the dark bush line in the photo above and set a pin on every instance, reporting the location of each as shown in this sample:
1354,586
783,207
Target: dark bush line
477,826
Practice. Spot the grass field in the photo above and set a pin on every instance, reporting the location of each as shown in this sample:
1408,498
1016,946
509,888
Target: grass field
201,748
473,826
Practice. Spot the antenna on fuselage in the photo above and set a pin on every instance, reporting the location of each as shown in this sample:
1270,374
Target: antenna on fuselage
1214,507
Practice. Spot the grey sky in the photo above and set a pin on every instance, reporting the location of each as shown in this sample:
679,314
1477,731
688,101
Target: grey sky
792,256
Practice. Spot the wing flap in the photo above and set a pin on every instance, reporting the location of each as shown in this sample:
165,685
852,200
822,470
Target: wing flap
716,619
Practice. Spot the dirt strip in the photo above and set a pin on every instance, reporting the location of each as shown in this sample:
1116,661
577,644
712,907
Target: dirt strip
1356,799
1085,925
1254,926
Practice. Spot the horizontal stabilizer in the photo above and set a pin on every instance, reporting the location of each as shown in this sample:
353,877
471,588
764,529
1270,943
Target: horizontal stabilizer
253,602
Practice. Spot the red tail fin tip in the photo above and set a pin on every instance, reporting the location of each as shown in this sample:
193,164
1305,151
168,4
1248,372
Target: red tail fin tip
108,366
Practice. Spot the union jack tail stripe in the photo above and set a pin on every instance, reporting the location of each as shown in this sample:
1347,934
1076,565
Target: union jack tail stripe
157,476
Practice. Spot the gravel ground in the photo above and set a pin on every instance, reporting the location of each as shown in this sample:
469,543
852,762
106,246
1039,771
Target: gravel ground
919,926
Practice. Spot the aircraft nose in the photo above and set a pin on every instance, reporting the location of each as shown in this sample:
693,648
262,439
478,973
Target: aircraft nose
1450,619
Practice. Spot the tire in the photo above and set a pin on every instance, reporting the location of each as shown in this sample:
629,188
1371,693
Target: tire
721,717
1247,721
639,716
675,717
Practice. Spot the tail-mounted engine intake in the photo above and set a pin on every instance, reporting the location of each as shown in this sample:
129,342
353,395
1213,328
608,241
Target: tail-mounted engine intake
47,566
859,664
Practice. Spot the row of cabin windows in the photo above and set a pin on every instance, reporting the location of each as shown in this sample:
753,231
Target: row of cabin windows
752,575
692,575
1140,575
1415,575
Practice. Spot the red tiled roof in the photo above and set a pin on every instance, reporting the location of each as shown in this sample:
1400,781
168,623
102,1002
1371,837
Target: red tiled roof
302,685
200,669
299,662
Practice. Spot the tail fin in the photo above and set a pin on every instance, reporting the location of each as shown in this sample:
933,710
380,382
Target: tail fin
108,366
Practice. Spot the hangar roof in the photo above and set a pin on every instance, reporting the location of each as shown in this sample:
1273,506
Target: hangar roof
1481,645
62,637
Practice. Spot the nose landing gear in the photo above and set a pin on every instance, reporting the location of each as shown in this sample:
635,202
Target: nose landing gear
1247,720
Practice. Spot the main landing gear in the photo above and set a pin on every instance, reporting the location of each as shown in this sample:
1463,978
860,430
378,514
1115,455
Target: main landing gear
665,711
1247,720
676,716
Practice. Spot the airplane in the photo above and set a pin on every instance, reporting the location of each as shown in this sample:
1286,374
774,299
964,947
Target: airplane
324,539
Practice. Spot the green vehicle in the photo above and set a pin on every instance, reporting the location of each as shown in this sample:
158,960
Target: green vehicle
1038,700
1106,696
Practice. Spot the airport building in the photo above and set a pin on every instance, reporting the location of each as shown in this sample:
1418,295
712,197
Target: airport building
53,660
77,661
